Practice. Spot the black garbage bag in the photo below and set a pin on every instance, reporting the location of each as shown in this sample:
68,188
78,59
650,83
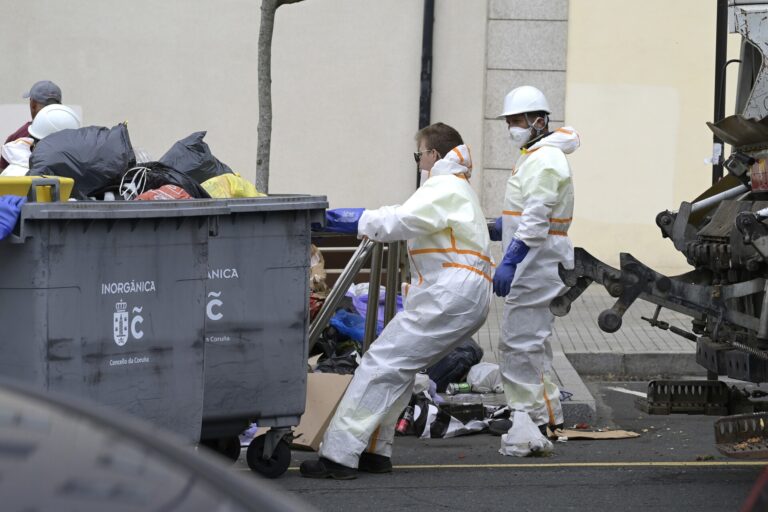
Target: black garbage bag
339,353
149,176
455,366
160,174
342,363
326,344
93,156
192,156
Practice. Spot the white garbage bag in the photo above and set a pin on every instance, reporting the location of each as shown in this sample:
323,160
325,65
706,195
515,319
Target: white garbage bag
16,153
524,438
485,378
421,383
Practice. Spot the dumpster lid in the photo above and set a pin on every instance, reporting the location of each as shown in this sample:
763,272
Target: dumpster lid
277,202
74,210
122,209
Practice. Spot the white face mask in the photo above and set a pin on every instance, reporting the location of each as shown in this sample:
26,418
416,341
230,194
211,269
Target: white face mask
519,136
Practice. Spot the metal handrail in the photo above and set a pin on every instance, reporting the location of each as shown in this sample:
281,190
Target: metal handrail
374,250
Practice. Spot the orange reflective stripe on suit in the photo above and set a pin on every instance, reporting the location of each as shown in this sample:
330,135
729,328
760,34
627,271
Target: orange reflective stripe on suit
453,249
563,231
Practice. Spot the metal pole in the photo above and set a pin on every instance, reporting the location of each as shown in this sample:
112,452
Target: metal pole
405,268
722,196
393,266
721,49
425,79
341,286
425,98
371,315
762,333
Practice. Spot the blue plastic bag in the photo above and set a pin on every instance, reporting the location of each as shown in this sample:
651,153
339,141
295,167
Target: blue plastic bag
350,324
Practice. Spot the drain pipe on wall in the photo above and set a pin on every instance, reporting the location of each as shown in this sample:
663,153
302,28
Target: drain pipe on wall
425,96
721,54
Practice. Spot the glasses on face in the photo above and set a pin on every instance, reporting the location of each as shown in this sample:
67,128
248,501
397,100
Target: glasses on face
417,154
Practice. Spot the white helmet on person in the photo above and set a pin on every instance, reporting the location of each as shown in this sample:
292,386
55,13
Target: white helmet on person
52,119
524,99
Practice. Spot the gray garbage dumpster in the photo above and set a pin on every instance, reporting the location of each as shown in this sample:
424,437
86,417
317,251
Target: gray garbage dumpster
257,318
103,300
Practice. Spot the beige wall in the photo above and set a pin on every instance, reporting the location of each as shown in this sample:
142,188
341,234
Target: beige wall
526,45
345,81
354,73
639,90
459,74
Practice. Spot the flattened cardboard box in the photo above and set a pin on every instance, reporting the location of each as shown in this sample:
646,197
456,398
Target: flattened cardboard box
324,392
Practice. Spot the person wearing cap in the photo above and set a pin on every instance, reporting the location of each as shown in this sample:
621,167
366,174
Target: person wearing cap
42,94
537,213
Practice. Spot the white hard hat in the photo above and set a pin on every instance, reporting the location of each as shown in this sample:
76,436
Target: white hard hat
524,99
52,119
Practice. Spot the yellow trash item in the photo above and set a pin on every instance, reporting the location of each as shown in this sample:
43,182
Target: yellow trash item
230,185
41,189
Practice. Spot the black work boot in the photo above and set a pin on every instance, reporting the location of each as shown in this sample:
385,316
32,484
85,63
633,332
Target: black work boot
374,463
553,428
326,468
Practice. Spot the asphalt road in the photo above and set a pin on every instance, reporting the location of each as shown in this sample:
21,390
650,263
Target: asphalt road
673,465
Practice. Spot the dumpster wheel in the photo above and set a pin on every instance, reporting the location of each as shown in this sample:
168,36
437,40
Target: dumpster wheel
228,447
275,465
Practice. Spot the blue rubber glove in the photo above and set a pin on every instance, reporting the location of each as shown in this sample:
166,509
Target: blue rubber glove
10,208
343,220
495,230
505,272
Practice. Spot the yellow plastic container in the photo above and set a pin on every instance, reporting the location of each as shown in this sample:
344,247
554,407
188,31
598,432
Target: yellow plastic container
41,189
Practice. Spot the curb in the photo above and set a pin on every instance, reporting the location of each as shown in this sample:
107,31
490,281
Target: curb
643,365
580,408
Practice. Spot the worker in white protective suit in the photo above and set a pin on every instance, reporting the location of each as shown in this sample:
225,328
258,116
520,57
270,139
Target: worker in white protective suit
538,209
447,301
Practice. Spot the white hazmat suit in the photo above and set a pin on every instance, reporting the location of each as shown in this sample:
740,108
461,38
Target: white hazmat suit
447,301
538,209
16,153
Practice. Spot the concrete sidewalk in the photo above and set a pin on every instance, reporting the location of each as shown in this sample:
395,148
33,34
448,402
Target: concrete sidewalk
580,348
635,350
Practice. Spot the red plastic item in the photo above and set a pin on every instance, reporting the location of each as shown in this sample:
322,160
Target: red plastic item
164,193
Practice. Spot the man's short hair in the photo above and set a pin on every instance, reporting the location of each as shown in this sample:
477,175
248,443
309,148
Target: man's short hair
439,136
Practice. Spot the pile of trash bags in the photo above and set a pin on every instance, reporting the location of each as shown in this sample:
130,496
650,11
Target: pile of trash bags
340,343
103,165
